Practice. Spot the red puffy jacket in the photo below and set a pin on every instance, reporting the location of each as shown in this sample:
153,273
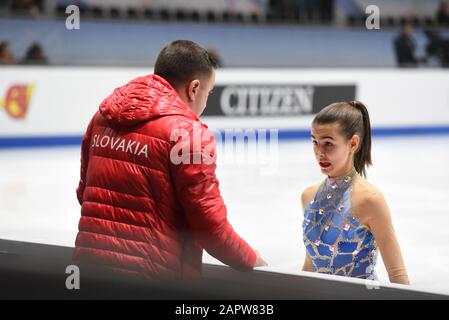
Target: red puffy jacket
141,213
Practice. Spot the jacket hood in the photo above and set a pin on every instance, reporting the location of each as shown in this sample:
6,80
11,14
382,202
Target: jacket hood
143,99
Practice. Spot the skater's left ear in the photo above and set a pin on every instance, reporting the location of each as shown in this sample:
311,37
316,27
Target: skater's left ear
354,143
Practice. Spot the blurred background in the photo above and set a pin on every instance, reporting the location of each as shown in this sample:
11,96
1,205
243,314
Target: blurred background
280,63
243,33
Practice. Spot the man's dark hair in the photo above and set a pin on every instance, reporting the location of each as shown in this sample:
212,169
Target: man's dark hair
182,61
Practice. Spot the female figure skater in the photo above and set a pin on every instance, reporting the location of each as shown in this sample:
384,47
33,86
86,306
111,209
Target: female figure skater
346,219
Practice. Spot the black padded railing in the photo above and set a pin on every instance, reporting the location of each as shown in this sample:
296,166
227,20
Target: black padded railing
38,271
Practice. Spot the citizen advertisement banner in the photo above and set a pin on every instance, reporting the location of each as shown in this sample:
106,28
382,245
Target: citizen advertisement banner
42,102
275,100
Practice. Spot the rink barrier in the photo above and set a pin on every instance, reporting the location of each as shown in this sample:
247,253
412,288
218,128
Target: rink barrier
75,140
38,271
48,107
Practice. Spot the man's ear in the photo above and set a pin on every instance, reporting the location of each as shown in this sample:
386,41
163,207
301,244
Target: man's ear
192,89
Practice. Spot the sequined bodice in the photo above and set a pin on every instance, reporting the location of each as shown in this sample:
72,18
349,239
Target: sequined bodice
335,240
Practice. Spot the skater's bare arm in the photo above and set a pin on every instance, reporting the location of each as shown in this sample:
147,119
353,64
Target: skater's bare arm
380,223
308,265
306,197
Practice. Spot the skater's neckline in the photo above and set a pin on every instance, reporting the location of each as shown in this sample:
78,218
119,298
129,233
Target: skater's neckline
344,180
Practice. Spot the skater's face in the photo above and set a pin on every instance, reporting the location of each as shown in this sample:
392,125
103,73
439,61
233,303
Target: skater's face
199,91
333,151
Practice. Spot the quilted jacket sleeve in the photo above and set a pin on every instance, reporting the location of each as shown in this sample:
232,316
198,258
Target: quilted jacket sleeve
85,146
197,189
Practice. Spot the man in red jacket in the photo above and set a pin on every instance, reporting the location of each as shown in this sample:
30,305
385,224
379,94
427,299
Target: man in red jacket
150,200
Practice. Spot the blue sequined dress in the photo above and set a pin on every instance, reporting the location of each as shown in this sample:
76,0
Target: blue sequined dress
335,240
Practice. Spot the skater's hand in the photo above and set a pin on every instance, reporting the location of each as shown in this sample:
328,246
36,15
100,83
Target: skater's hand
259,261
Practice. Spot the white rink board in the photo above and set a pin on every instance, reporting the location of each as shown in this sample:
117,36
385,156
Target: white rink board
64,99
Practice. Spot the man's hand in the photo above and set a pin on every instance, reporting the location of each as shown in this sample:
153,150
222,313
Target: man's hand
259,261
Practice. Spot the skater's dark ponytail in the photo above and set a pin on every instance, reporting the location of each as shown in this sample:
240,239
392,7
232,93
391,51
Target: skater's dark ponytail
353,118
363,154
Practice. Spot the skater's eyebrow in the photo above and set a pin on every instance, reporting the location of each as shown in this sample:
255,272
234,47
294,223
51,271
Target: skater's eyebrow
326,137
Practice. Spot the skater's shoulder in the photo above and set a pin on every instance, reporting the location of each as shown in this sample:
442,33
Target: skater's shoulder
309,193
366,189
365,195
